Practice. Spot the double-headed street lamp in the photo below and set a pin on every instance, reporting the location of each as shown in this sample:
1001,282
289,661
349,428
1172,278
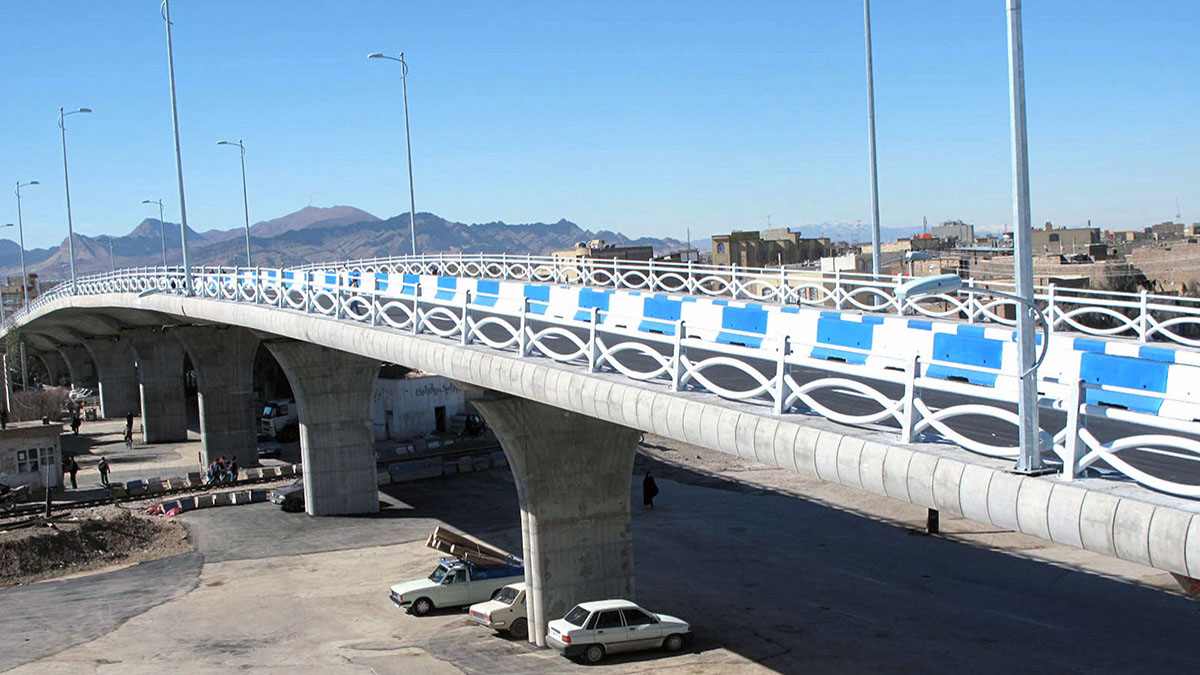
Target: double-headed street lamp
21,233
412,201
162,226
67,183
245,202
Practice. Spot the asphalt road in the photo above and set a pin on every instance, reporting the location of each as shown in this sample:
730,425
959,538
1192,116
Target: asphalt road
47,617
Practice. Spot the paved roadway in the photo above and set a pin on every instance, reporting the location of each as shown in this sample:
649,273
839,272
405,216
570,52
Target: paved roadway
47,617
771,583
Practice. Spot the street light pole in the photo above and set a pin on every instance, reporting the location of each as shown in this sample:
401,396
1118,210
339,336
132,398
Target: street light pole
1030,458
67,183
183,226
162,226
412,201
21,233
245,201
875,243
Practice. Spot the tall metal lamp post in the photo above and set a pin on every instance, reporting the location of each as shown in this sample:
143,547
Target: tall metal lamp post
183,226
162,226
412,201
245,202
67,183
21,233
875,236
1030,459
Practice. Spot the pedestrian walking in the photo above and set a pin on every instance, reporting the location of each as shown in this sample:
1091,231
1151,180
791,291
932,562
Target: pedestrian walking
129,437
75,423
73,469
649,490
103,467
129,422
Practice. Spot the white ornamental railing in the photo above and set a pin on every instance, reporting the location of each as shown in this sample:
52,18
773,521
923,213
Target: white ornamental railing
768,375
1142,316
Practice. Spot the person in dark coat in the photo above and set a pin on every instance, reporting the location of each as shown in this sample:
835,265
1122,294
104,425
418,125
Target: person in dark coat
103,468
73,468
649,491
129,422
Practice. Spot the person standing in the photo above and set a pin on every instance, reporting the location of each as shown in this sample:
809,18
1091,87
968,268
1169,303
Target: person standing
75,423
103,467
73,468
649,490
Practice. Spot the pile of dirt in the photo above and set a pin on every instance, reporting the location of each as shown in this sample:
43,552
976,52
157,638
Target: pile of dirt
113,537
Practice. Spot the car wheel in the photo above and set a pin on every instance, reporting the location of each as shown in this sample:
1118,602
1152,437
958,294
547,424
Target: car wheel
519,629
421,607
673,643
594,653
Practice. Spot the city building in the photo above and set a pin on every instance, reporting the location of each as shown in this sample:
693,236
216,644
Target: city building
30,452
1073,241
955,232
597,249
774,247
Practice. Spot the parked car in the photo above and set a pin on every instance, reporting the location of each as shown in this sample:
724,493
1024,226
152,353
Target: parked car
505,612
290,498
453,583
593,629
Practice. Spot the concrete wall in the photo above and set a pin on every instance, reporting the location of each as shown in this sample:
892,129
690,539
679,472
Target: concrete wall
404,408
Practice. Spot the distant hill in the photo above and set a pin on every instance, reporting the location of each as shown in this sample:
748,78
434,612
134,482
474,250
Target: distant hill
313,234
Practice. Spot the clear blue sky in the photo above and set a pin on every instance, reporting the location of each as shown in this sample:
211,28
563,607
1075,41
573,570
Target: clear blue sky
646,117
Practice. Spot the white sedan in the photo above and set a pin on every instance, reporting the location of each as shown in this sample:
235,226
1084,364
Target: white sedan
594,629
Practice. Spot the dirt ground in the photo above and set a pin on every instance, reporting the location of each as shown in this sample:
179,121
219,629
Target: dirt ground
92,540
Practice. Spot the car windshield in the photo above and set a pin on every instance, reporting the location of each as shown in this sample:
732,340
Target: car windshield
268,411
507,595
576,616
438,574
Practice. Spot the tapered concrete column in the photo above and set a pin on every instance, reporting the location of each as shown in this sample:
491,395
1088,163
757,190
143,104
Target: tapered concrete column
224,363
334,397
114,362
79,366
572,474
160,369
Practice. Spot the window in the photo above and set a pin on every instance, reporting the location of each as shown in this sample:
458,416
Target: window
283,411
1054,237
609,619
27,461
460,576
576,616
636,617
720,248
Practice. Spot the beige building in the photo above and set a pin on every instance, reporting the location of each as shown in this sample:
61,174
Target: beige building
1063,241
30,452
779,246
597,249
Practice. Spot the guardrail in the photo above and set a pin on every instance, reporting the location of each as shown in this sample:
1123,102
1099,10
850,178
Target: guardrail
681,361
1143,316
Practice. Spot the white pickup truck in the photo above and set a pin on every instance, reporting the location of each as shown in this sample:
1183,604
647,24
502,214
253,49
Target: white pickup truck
505,612
454,583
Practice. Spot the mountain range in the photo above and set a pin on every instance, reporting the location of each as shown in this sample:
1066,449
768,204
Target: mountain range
311,234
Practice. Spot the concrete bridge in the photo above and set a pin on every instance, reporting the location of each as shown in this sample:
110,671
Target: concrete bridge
567,376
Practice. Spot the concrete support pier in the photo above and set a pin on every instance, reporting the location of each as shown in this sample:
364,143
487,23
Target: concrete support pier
79,366
160,368
224,363
573,476
334,396
114,362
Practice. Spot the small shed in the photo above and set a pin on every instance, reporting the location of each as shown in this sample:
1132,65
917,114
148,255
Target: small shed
31,452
